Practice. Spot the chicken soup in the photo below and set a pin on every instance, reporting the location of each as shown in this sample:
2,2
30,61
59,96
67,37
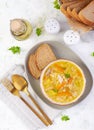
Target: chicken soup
62,82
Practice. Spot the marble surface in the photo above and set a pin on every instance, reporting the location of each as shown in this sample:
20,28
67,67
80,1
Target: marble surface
37,11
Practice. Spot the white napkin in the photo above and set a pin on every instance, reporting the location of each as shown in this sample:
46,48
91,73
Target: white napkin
19,108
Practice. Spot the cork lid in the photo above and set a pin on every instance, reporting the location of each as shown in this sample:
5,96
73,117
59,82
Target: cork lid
17,27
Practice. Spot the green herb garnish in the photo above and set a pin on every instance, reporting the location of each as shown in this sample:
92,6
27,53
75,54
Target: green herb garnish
55,90
15,49
67,75
38,31
65,118
92,54
56,4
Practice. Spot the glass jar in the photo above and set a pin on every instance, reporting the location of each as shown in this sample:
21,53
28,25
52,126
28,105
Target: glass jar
21,29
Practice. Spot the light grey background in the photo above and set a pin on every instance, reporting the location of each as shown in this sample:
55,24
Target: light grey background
36,11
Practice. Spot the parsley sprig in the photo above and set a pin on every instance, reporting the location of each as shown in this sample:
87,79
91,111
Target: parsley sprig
65,118
38,31
67,75
92,54
56,4
15,49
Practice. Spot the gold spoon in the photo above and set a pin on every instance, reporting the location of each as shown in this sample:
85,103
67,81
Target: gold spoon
21,84
6,82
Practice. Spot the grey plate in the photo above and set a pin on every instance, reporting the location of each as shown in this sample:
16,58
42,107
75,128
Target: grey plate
61,51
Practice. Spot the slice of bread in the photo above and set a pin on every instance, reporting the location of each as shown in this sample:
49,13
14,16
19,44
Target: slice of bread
71,7
76,10
66,1
60,1
87,14
64,6
44,55
78,26
64,11
33,69
75,14
76,5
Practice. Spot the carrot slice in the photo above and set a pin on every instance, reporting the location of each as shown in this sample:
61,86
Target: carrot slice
59,68
79,73
70,80
67,93
61,85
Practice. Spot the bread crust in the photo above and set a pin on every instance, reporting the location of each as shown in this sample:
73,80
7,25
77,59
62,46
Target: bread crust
33,69
69,11
64,11
76,16
64,6
72,6
66,1
76,11
76,25
84,18
85,21
43,56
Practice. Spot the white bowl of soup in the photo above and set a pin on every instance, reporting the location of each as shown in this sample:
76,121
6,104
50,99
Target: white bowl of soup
62,82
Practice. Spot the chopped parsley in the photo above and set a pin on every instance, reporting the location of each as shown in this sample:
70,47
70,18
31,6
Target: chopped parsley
65,118
67,75
92,54
56,4
15,49
38,31
55,90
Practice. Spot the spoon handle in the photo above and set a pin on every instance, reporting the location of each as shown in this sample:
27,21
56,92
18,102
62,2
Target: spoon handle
35,112
40,109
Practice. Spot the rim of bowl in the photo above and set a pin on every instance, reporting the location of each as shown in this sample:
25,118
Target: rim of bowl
42,87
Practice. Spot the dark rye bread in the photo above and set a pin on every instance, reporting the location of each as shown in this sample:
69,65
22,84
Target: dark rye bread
76,5
64,11
80,14
76,10
44,55
78,26
33,69
71,7
87,14
65,1
64,6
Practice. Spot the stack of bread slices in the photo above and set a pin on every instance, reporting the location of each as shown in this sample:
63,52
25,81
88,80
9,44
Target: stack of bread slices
80,13
37,61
